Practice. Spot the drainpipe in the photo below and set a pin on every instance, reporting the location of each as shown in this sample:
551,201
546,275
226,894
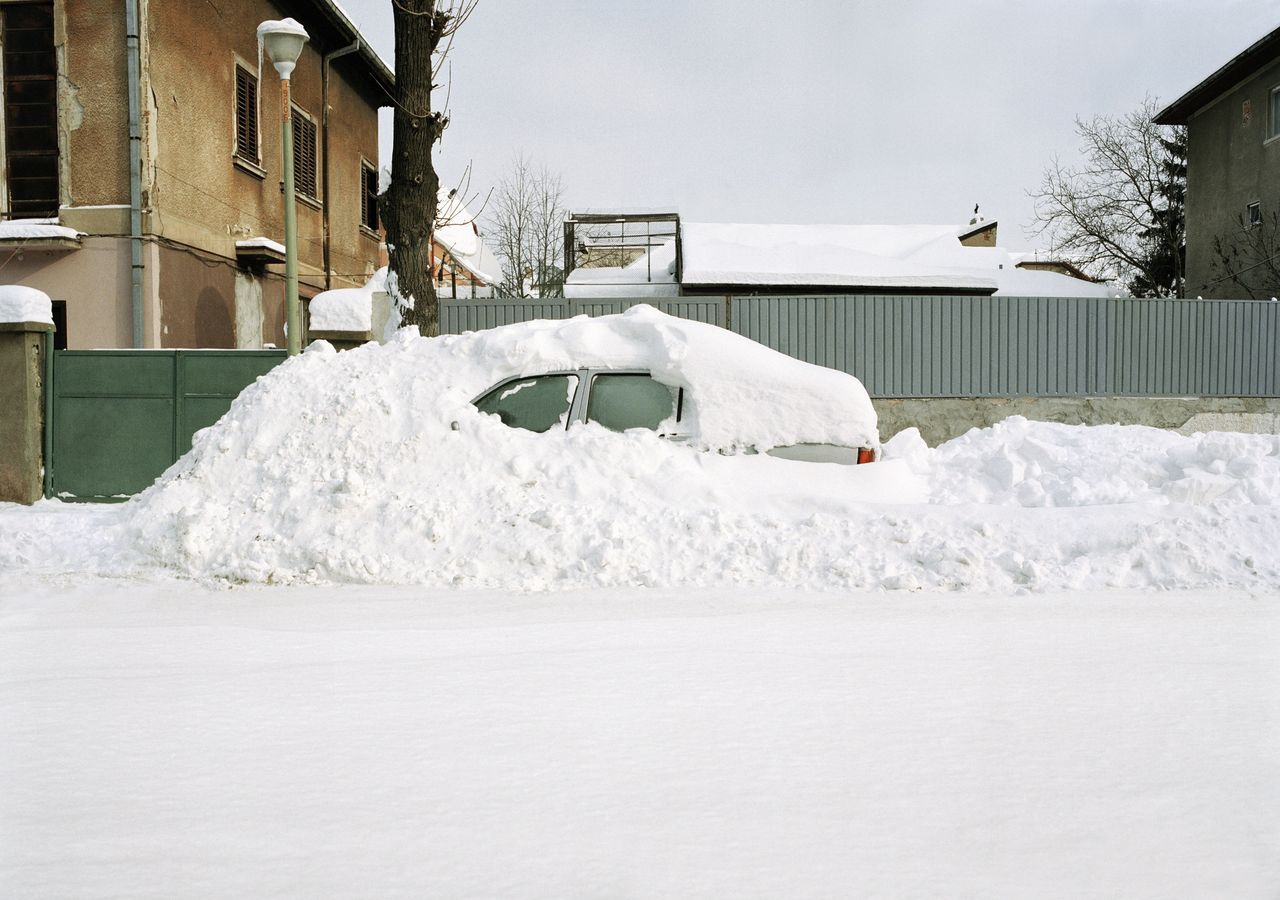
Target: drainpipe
324,151
135,167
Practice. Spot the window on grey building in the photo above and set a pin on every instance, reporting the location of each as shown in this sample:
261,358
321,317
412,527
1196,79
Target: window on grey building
246,115
1253,213
30,109
304,154
1273,119
368,196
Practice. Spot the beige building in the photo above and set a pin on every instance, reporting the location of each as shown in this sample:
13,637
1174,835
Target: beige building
187,253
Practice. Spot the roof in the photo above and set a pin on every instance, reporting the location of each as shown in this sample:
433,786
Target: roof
858,258
457,233
1244,64
332,29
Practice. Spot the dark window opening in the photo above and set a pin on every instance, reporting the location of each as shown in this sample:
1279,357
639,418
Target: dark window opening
369,197
304,155
1254,211
59,324
246,115
30,109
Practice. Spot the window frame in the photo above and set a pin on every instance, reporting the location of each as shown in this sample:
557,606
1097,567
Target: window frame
1250,209
677,401
1273,115
7,154
313,199
364,228
252,166
575,403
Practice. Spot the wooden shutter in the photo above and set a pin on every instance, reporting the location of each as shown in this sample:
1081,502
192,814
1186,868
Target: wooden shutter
30,109
246,115
304,155
369,197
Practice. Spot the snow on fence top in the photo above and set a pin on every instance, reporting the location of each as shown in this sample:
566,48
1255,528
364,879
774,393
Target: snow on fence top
19,303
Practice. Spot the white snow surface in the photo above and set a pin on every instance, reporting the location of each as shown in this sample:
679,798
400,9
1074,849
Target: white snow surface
35,229
347,309
19,303
161,740
260,242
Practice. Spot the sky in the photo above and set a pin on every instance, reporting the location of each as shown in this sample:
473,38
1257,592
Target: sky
810,112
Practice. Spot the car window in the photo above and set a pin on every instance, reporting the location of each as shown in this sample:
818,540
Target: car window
619,402
534,404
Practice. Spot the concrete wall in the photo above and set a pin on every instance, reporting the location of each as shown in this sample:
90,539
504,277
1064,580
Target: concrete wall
21,426
1230,164
946,418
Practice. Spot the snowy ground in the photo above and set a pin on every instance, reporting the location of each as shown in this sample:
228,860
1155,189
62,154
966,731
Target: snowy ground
164,740
345,649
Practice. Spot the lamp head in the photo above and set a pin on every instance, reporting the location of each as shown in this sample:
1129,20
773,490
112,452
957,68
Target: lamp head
283,39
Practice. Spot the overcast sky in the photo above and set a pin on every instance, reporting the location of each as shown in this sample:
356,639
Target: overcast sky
817,111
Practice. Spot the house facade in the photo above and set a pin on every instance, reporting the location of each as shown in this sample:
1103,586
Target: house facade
187,252
1233,174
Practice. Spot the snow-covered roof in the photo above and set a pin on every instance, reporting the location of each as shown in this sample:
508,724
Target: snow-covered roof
456,231
861,257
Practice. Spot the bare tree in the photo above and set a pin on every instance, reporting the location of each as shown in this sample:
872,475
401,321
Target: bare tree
527,227
1118,212
424,32
1249,258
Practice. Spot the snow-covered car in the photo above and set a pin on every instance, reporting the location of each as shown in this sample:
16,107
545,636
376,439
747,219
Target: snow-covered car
709,387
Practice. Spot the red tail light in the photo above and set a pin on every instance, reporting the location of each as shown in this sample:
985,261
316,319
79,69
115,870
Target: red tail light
866,455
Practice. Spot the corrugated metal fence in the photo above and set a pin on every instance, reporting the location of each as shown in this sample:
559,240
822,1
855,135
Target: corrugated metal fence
909,346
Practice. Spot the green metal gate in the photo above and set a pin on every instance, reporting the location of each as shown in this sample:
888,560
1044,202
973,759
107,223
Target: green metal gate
118,418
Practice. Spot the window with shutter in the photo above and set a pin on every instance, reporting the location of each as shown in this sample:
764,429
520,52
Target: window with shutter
30,109
304,155
246,115
368,196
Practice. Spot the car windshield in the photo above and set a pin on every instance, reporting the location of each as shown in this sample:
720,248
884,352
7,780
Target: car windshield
534,404
619,402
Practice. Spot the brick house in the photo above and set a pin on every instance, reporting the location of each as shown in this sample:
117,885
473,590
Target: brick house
186,253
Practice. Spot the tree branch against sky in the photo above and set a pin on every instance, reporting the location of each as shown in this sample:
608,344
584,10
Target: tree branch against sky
424,31
526,226
1117,214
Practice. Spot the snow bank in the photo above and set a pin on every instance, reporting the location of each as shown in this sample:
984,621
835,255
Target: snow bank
346,466
19,303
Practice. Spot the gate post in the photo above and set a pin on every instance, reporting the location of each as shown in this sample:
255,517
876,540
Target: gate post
23,347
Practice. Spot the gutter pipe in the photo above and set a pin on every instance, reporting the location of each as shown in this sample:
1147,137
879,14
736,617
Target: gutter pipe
324,151
133,54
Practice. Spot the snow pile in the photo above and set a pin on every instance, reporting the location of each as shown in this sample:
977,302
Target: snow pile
1040,464
347,466
19,303
346,309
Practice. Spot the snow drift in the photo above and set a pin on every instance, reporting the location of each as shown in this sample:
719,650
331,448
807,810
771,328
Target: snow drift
345,468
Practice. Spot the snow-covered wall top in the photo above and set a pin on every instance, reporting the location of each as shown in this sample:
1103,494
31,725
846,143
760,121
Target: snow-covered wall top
35,229
19,303
346,309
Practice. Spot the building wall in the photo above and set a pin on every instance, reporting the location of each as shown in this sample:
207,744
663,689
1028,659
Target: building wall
1230,164
196,201
92,282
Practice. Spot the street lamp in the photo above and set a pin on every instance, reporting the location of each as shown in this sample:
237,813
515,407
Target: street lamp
283,40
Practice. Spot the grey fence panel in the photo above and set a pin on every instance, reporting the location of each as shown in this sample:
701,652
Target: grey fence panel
457,316
932,346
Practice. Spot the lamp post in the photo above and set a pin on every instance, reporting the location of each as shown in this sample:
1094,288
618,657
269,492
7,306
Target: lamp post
283,41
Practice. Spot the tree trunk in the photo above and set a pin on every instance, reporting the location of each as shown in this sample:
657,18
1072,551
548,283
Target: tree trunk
409,204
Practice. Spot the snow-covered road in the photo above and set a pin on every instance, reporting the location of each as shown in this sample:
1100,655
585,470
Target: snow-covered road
165,740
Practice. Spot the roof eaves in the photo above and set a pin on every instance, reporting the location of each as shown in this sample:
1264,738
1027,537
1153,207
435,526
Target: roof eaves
1261,52
375,66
